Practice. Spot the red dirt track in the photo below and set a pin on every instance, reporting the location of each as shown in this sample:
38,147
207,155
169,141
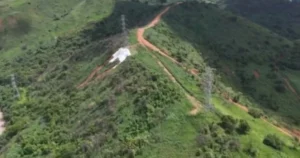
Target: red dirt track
144,42
90,77
288,132
140,37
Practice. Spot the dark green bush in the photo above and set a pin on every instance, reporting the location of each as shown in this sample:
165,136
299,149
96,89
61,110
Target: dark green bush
279,88
252,151
228,123
273,141
256,113
243,127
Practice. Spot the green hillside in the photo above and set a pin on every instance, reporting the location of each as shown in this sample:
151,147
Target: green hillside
236,48
142,107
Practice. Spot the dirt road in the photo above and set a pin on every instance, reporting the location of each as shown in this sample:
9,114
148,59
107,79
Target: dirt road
90,77
194,101
291,133
140,37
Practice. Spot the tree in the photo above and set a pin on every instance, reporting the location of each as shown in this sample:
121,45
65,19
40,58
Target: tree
244,127
228,123
279,88
163,1
256,113
252,151
204,140
273,141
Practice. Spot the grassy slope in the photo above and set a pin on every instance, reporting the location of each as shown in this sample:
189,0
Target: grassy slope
167,39
42,22
135,109
234,46
259,127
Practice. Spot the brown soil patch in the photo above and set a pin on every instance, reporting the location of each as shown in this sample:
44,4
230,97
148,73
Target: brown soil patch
105,73
244,108
167,72
1,25
256,74
194,71
90,77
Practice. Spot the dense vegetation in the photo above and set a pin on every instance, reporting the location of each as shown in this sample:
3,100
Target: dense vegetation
220,37
136,110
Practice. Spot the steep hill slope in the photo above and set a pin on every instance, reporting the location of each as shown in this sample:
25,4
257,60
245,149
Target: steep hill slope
280,16
141,108
249,58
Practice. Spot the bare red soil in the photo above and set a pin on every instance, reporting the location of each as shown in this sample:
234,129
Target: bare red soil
194,71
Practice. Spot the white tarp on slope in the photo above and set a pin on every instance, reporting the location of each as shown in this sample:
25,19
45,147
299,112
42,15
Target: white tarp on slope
121,55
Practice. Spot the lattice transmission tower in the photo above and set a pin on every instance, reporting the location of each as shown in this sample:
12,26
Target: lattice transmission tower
208,79
124,30
14,85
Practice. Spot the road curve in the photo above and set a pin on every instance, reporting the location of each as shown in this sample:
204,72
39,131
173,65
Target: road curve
195,103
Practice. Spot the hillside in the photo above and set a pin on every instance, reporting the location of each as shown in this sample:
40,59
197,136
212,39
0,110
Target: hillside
74,103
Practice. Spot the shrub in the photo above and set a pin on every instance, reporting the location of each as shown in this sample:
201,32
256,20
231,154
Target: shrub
204,140
256,113
234,145
252,151
244,127
228,123
236,98
279,88
273,141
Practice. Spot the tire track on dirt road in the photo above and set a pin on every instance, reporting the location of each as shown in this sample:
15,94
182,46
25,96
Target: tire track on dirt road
92,74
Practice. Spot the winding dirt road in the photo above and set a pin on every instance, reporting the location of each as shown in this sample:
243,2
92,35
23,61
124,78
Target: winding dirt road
283,130
140,37
194,101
